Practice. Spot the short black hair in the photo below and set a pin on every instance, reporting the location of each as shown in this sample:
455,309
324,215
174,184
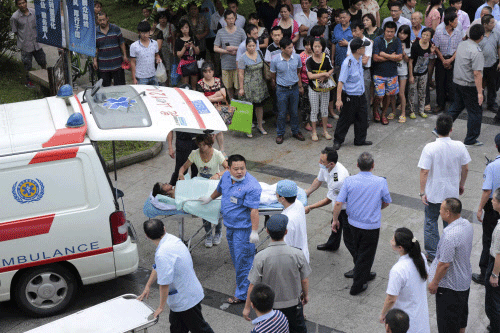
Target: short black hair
449,17
398,320
357,24
343,11
444,123
276,28
143,26
476,32
450,10
101,13
95,3
156,189
394,3
229,12
488,8
250,27
452,2
154,229
371,17
284,42
353,2
233,1
486,19
262,297
206,66
290,200
331,155
317,31
321,11
307,41
286,6
365,161
454,205
191,4
390,25
235,158
428,29
277,235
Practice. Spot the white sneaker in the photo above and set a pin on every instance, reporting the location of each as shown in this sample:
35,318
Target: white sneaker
217,239
476,144
208,241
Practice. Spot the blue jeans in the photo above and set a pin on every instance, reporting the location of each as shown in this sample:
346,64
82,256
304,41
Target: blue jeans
149,80
431,230
466,97
242,254
209,225
288,101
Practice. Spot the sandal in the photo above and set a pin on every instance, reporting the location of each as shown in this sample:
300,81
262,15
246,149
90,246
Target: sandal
314,137
427,107
376,117
262,131
249,135
308,127
423,114
402,119
384,120
391,116
233,300
327,136
329,126
412,115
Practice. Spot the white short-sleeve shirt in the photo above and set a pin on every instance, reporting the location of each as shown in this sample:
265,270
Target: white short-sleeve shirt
405,283
368,51
297,228
334,180
309,22
444,159
174,267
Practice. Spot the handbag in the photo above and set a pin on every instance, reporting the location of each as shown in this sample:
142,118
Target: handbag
266,70
189,69
325,85
226,112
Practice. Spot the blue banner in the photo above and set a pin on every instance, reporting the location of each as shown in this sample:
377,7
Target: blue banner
48,22
81,26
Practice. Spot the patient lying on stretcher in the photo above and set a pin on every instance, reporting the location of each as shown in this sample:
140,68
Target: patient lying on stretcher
163,189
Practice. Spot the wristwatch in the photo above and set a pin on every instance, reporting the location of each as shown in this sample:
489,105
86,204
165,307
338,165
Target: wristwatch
421,194
494,275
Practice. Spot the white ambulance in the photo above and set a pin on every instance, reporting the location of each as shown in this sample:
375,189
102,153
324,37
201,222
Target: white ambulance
61,225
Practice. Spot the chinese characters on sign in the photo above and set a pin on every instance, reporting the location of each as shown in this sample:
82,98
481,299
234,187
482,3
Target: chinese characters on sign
48,22
81,26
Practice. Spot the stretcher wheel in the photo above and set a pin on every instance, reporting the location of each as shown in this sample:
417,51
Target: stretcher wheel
46,290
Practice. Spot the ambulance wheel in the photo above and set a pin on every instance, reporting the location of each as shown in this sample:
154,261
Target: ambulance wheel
45,291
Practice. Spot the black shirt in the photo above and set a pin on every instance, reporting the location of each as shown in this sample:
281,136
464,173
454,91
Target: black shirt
179,44
420,58
267,13
313,67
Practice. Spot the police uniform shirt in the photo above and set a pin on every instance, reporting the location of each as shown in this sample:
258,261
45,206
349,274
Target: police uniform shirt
334,180
282,267
469,59
491,176
351,75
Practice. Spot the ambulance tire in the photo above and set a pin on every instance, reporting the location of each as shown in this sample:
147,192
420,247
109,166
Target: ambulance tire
46,290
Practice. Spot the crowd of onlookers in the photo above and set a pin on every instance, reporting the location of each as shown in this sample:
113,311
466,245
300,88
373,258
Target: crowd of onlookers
216,50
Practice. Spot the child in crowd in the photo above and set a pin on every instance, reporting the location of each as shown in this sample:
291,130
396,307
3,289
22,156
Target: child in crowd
268,320
404,33
418,65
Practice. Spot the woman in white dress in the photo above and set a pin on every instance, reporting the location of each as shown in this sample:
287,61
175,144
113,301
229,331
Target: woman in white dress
407,287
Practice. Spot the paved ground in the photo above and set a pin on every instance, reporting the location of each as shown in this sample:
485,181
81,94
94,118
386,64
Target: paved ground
396,150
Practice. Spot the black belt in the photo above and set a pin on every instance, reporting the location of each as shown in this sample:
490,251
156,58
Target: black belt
366,68
288,87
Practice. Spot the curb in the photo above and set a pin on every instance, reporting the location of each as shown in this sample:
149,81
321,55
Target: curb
134,158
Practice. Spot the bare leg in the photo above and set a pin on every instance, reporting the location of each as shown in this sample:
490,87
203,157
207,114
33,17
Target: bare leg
185,79
220,141
402,98
324,121
392,100
385,104
194,81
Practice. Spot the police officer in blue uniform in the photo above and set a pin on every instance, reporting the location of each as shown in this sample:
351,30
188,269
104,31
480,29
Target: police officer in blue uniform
240,200
351,97
491,182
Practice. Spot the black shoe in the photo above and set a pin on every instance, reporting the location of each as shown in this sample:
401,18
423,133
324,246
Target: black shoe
350,275
365,143
299,136
325,247
478,278
336,146
496,120
355,292
279,139
488,328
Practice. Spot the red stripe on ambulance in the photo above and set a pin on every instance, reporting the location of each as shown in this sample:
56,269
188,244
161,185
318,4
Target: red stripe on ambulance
26,227
186,99
54,155
52,260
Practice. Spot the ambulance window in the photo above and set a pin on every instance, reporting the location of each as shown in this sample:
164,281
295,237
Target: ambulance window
119,107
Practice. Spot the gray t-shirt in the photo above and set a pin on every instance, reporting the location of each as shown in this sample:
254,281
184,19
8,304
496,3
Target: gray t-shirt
490,45
469,59
144,58
224,39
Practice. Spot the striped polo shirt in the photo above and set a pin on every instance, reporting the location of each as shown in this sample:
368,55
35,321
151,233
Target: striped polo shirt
109,54
272,322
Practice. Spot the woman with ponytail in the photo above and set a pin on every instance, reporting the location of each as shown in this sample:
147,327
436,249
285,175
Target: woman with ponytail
407,287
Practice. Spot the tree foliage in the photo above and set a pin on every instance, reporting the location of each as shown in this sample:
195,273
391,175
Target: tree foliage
7,38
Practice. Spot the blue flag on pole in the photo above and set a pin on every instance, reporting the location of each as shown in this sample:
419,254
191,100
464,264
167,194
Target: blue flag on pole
48,22
81,26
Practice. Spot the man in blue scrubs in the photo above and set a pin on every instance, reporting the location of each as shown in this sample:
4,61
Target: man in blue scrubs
240,193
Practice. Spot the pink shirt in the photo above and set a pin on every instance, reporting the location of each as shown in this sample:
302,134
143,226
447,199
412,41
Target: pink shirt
303,71
433,16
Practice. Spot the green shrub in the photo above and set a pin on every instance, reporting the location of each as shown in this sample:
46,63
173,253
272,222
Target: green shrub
7,38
